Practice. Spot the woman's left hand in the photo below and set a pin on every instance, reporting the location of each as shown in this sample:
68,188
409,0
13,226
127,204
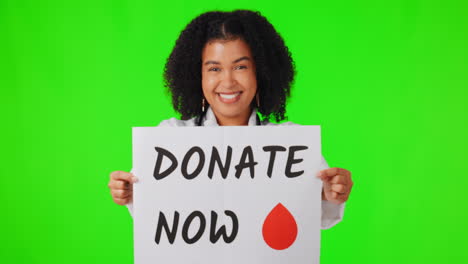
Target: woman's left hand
337,184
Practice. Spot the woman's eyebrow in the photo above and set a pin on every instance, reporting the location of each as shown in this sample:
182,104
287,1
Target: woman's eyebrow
241,59
235,61
211,62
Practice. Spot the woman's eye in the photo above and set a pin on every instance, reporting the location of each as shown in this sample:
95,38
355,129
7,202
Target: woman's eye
241,67
214,69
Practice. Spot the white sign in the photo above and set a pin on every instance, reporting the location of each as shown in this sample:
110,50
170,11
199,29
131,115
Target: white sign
227,195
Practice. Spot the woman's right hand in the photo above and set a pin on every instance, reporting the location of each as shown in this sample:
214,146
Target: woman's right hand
121,186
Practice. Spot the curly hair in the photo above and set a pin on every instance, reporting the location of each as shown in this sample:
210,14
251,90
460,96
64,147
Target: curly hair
274,64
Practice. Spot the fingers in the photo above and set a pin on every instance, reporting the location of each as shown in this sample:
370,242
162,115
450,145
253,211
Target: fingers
121,180
123,176
330,172
335,175
121,186
120,201
121,194
339,188
337,184
336,197
122,197
338,179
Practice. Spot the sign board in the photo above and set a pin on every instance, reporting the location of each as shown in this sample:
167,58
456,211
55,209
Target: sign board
227,194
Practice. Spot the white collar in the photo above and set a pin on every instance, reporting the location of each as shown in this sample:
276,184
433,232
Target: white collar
210,118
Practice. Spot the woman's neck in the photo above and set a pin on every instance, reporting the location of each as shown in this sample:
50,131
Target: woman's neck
239,120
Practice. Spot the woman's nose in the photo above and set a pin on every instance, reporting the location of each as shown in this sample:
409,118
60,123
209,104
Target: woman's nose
228,80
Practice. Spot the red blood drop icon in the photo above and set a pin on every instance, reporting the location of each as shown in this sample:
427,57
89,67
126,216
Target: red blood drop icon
279,228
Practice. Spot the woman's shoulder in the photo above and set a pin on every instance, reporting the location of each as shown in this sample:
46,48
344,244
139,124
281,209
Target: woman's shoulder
174,122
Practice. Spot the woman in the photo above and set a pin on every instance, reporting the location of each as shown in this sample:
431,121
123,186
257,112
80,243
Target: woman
224,69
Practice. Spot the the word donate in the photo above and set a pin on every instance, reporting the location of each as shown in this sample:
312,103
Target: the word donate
246,161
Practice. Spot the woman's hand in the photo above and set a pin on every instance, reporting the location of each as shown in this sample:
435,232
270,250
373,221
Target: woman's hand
337,184
121,186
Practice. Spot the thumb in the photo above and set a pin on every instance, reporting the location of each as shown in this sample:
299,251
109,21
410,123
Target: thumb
133,179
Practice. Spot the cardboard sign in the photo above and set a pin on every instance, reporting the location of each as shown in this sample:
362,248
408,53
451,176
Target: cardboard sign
227,194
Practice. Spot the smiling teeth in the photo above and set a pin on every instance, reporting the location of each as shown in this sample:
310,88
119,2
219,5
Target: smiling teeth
228,96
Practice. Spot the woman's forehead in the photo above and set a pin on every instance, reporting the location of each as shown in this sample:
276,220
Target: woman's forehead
225,50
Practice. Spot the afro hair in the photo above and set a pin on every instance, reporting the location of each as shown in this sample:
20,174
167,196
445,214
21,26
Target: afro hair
274,64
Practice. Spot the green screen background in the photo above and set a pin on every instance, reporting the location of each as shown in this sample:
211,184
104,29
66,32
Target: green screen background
386,81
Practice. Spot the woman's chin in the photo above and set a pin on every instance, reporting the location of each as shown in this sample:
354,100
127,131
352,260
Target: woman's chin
231,111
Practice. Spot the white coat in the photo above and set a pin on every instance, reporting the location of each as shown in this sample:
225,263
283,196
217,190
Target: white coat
331,213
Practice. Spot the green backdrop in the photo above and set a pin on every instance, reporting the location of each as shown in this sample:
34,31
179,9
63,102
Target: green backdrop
387,81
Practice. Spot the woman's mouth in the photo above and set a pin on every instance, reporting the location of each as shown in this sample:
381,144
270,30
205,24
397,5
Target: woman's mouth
229,98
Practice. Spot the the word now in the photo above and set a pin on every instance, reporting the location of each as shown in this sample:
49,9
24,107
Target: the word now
246,161
215,234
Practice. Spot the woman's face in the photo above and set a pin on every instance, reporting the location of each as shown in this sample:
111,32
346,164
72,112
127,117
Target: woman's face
228,80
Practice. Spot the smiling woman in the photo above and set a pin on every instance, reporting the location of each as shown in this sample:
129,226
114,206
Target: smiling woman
219,54
225,68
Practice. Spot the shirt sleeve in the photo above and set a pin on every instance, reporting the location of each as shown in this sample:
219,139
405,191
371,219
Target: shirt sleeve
331,213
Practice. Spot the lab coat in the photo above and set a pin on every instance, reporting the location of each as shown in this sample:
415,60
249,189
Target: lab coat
331,213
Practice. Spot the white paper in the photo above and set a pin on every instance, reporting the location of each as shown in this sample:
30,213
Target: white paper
251,200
